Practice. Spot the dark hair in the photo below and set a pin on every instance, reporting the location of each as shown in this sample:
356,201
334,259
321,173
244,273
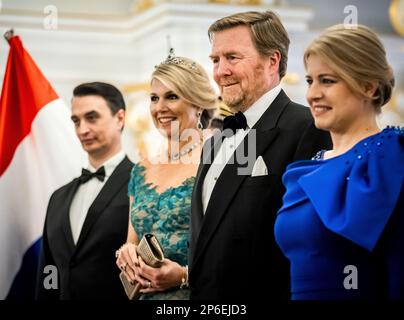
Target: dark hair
111,94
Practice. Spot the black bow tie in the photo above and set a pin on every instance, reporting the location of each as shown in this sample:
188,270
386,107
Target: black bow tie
87,175
238,121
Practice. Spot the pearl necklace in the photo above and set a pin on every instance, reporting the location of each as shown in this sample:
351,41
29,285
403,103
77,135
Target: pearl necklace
178,155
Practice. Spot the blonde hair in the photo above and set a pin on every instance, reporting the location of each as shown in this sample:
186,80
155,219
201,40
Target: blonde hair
358,57
190,81
267,33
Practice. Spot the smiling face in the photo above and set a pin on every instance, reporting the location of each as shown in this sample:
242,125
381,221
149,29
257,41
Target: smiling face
169,111
97,128
333,105
243,75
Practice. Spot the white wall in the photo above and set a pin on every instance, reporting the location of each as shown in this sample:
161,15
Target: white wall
107,41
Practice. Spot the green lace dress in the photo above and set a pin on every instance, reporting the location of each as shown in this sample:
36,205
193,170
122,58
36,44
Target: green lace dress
167,216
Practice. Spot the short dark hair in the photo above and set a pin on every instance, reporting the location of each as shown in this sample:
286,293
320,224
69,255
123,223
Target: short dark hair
110,93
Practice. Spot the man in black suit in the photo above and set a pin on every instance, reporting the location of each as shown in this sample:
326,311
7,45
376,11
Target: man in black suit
87,219
232,251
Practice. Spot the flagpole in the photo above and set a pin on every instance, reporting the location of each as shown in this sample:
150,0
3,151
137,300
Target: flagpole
9,34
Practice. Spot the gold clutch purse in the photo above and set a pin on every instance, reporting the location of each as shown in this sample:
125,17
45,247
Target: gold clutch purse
152,254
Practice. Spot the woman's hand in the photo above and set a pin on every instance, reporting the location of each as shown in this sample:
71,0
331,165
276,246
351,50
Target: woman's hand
169,275
126,260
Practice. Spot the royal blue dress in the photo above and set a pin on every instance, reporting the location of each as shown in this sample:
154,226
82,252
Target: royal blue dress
166,215
342,222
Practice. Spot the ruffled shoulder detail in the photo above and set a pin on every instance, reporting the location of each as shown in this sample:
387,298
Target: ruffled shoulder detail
356,193
136,178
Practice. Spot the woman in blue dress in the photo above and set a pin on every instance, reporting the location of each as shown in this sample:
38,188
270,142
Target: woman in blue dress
342,220
182,104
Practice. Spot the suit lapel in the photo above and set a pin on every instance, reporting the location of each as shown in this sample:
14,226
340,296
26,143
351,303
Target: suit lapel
70,192
209,151
118,178
230,180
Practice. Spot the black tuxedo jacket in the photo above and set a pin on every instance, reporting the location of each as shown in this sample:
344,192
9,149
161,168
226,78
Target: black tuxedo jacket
232,252
86,270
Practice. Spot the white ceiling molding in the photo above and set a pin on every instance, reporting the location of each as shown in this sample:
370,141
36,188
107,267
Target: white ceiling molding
295,18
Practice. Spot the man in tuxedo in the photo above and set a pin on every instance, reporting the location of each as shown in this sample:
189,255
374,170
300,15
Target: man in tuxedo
232,253
87,219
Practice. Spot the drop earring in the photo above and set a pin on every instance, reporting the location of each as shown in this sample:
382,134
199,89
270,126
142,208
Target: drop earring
199,124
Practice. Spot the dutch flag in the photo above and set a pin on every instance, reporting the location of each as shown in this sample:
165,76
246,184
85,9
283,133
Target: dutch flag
39,152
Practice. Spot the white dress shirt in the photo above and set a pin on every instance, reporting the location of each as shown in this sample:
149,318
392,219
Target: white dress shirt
230,144
87,192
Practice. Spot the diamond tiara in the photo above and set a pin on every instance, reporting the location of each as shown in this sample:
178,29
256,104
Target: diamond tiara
172,59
